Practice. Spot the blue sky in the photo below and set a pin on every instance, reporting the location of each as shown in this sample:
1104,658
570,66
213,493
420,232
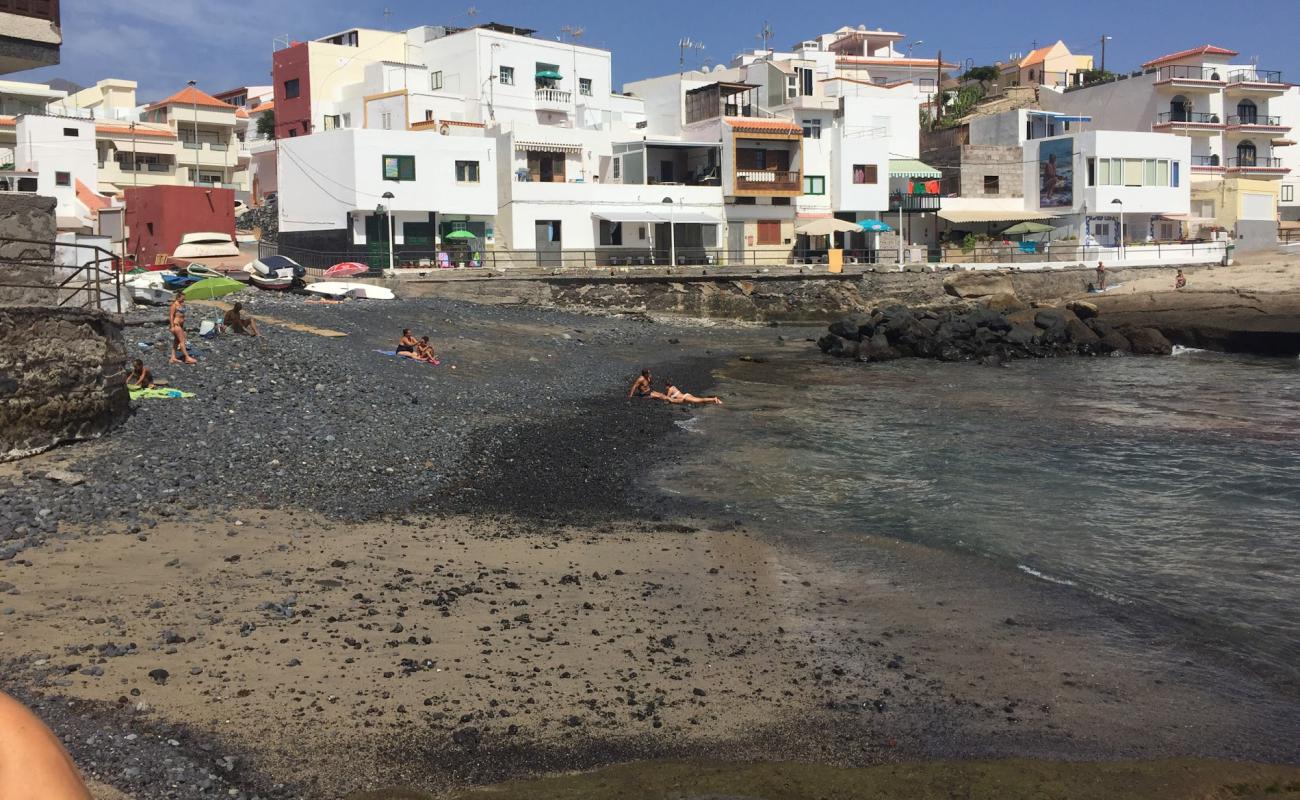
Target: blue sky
227,43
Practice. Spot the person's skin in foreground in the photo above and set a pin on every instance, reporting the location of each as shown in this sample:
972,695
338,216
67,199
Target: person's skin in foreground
679,398
33,764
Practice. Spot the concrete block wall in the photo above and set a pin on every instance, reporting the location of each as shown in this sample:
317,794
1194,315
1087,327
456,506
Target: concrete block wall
62,377
979,160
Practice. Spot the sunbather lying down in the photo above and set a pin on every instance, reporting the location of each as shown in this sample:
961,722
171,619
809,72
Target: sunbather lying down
679,398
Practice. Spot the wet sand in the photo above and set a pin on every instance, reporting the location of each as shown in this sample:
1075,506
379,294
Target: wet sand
444,654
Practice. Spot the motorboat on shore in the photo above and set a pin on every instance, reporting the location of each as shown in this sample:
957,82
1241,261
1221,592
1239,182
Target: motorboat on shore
206,245
341,289
277,273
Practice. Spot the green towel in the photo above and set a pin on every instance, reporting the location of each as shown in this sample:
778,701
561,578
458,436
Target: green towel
158,393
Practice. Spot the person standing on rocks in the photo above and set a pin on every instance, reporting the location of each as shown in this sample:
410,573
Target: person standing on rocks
1180,280
32,762
1101,277
176,322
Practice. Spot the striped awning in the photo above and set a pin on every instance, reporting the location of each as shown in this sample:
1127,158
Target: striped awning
548,147
912,168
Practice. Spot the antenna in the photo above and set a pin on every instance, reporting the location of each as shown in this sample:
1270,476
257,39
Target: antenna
683,45
574,33
765,34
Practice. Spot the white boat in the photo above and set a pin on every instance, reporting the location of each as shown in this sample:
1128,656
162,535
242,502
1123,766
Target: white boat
149,289
278,283
206,245
338,289
275,265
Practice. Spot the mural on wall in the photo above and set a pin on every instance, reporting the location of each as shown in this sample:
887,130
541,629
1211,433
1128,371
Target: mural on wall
1056,173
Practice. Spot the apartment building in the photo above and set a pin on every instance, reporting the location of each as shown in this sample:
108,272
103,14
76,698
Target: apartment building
30,34
208,152
1053,65
1236,117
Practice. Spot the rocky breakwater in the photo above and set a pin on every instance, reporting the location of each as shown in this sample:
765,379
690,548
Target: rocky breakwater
984,321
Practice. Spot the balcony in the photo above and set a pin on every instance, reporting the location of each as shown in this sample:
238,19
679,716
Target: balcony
914,203
1259,166
554,99
1188,122
1258,81
768,182
1208,79
1257,123
32,35
1206,164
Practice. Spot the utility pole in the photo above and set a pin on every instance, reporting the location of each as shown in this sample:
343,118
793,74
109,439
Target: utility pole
194,106
938,92
135,163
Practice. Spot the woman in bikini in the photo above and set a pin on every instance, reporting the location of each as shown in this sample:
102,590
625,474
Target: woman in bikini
679,398
176,322
406,345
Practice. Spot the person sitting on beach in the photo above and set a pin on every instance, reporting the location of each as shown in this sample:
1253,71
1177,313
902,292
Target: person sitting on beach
1180,280
176,323
679,398
140,377
641,387
406,345
33,762
1101,277
424,351
234,320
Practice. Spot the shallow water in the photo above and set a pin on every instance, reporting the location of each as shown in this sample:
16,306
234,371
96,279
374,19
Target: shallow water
1164,486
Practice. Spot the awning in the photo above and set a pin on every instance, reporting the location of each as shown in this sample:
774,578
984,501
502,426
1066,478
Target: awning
1186,218
912,168
693,218
143,145
679,217
954,215
629,216
549,147
1282,142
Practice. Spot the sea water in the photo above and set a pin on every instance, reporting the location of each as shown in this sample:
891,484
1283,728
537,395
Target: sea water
1164,486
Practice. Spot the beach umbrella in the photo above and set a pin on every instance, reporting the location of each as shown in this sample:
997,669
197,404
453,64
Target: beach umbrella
212,288
874,226
1027,227
827,226
460,234
346,269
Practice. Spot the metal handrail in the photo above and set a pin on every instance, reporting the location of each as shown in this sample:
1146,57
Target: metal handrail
1255,76
1188,73
1188,117
1255,119
94,288
1249,162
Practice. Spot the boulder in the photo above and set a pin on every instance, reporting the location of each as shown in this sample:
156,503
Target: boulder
1049,319
1083,336
1150,342
877,348
1004,303
847,328
974,284
1112,341
1083,309
986,318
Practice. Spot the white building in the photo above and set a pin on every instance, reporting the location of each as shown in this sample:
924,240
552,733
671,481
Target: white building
1236,117
59,152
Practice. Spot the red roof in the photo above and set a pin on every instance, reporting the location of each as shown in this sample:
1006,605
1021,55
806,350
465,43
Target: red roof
269,105
241,113
1203,50
900,61
91,199
8,121
190,96
125,130
752,125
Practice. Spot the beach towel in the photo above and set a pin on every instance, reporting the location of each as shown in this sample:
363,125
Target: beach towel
157,393
393,354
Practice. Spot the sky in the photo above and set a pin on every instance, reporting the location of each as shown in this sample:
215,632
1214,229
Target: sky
224,44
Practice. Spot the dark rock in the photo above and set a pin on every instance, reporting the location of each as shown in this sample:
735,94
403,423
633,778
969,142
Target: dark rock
1083,309
467,738
1114,342
159,676
1149,342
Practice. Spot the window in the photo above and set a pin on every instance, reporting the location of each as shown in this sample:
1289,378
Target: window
805,80
1103,172
63,178
331,121
435,81
71,132
428,115
814,184
507,76
1288,192
584,86
1150,173
291,89
1162,173
611,233
865,173
347,120
780,201
812,129
1132,172
467,172
927,85
791,87
618,169
1173,174
746,201
386,120
769,231
1205,208
1092,171
399,168
990,184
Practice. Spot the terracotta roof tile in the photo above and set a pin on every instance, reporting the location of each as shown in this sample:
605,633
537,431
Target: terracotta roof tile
1203,50
775,125
124,130
191,96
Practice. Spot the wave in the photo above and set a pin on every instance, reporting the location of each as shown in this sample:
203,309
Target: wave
1044,576
1179,350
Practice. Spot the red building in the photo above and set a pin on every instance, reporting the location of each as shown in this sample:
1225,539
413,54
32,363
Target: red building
291,73
158,216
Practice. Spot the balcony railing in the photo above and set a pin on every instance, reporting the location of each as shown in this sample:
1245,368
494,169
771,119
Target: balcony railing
1206,161
763,180
192,145
1258,120
218,147
1254,162
1255,76
554,97
1188,118
906,202
1186,73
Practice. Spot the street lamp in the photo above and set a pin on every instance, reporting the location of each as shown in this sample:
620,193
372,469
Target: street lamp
194,106
672,231
910,47
1120,203
1104,39
381,209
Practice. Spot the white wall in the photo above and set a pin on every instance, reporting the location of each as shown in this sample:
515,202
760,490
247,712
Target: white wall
853,146
1117,144
324,176
43,146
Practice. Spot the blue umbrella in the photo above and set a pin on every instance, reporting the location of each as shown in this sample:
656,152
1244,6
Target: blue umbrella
874,226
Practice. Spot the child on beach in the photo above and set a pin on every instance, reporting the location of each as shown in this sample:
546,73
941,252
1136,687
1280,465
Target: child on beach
424,351
140,377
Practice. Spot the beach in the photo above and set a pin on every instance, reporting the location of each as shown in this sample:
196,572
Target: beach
332,572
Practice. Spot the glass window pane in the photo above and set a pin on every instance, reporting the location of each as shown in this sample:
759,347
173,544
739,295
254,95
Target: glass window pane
1149,173
1162,174
1132,172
